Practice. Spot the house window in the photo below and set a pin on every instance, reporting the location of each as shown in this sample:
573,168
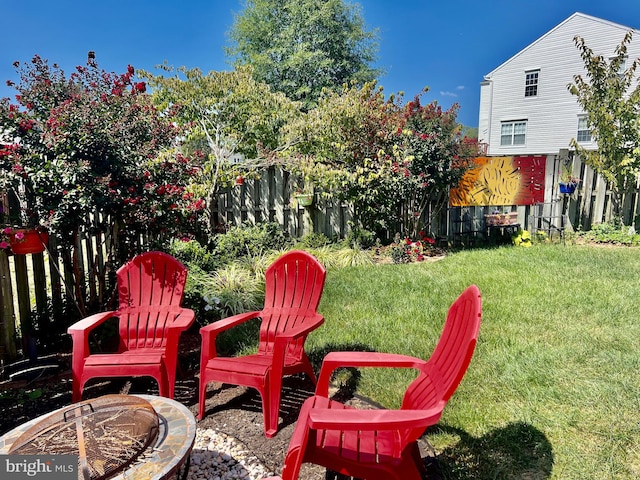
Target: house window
513,133
622,68
584,133
531,83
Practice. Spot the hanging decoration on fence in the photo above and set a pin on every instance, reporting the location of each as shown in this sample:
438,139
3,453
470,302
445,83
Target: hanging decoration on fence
501,181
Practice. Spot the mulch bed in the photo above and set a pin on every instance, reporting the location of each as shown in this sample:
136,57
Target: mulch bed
235,411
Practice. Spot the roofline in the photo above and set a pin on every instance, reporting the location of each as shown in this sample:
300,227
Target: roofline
577,14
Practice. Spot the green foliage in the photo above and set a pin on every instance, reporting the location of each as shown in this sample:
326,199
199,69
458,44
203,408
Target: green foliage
542,237
313,240
227,291
611,102
389,158
611,233
233,289
224,116
336,257
522,238
359,237
250,240
193,253
300,47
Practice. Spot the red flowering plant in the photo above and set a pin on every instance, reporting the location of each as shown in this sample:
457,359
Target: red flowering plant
91,138
431,157
406,250
91,142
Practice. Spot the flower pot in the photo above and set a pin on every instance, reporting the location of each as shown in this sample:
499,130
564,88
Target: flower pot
567,188
23,241
498,219
304,199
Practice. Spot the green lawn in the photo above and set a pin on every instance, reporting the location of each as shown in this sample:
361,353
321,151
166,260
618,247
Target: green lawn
553,390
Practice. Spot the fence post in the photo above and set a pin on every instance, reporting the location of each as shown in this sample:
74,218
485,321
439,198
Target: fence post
7,318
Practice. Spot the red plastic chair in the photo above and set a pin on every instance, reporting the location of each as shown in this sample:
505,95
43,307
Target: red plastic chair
150,289
294,284
382,444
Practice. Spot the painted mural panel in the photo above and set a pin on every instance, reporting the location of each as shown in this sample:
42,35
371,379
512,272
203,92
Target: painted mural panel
501,181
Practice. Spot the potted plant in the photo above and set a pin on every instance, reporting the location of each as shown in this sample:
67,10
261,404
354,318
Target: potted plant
568,183
24,240
304,198
498,218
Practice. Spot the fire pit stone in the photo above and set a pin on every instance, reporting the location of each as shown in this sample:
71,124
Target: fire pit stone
167,453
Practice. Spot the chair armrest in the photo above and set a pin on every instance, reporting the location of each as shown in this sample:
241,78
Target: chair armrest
210,332
80,331
229,322
304,328
183,320
335,360
352,419
90,322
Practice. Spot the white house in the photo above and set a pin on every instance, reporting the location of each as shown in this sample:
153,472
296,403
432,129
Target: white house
525,106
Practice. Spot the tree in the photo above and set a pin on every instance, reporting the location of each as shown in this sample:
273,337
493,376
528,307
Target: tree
93,143
299,47
612,107
223,115
390,160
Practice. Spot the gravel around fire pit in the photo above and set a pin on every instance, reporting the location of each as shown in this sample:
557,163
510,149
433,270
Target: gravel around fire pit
216,456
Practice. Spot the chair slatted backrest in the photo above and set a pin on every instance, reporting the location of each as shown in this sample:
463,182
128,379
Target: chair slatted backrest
150,290
293,288
452,355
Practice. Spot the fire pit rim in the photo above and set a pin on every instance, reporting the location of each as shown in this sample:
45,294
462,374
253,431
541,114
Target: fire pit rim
177,432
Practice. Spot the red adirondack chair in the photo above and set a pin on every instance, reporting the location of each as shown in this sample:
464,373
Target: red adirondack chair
294,284
382,444
150,289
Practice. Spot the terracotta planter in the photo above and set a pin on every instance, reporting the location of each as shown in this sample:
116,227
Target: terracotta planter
32,241
497,219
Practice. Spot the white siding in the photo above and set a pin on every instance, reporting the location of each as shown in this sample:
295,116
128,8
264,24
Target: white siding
552,116
484,120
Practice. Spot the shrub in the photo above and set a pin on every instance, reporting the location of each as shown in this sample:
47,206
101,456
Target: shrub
230,290
612,233
193,253
408,251
359,237
249,240
313,240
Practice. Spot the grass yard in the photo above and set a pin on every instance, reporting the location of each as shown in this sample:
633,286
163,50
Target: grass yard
553,390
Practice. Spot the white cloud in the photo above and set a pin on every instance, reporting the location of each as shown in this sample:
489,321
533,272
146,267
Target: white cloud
448,94
460,87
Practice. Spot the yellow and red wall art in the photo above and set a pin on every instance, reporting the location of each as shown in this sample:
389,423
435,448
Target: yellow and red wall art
501,181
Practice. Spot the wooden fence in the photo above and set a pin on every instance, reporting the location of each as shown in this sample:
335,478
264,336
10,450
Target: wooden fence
38,282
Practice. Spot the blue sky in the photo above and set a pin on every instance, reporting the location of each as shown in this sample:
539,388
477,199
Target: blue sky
446,45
